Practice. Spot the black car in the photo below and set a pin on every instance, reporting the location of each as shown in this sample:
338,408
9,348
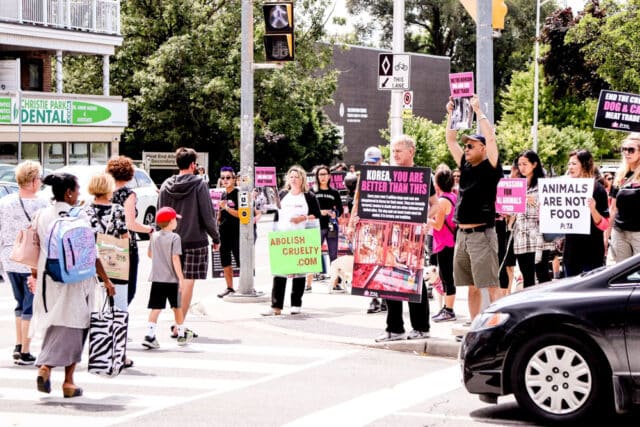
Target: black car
567,350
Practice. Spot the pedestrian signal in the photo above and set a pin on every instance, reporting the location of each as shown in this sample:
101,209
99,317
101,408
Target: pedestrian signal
279,43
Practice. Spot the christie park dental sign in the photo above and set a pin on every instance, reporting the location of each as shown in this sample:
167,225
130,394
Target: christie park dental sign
56,112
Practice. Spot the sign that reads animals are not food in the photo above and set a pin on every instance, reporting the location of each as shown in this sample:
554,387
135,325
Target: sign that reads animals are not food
564,205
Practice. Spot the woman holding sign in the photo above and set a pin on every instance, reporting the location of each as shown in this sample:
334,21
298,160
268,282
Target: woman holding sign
625,233
297,206
530,249
585,252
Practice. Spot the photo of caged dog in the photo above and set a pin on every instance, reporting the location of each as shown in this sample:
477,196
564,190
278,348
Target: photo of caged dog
341,267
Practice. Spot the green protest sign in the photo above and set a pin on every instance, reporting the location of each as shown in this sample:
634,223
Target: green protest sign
295,252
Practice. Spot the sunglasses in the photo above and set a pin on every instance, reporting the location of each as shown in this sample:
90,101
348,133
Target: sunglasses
630,150
226,177
609,178
469,146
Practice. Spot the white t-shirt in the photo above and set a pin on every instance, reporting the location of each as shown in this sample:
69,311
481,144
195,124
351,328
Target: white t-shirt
290,207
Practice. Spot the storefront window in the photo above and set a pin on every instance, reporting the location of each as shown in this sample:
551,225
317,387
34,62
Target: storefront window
9,153
99,153
53,155
79,153
31,152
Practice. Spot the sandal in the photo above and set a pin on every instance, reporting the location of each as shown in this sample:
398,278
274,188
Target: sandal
128,363
43,381
71,391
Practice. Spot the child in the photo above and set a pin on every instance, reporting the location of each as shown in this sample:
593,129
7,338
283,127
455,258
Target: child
166,277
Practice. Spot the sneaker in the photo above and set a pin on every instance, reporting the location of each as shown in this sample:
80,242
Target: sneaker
467,324
271,312
438,313
383,305
338,288
226,292
25,359
308,289
150,342
320,277
186,339
444,316
374,307
174,332
417,335
296,310
16,351
390,336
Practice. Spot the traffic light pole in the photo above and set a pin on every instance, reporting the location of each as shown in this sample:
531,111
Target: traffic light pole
247,255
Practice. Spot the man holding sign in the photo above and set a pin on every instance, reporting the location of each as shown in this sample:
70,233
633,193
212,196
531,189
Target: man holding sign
475,260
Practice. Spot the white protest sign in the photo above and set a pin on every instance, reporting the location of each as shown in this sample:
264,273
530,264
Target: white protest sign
564,205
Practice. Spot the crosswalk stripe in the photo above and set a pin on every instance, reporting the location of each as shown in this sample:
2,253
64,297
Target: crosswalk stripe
95,398
22,419
163,381
213,365
369,407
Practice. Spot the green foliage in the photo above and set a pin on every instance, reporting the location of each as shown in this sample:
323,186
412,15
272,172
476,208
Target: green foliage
179,69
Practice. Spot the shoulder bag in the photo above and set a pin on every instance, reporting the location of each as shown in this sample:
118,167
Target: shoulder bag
114,253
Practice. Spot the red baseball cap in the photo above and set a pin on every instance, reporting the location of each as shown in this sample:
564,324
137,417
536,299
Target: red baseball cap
166,214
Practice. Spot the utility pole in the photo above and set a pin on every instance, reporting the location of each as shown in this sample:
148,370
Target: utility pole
484,56
395,128
247,254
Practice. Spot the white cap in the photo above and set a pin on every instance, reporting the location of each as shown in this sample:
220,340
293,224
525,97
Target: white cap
372,155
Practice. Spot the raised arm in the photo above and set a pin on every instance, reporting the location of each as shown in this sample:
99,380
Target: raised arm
452,136
486,130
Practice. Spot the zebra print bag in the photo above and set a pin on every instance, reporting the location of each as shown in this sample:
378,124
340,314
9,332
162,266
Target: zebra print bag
107,340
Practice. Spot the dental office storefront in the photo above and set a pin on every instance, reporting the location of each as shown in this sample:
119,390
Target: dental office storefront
60,129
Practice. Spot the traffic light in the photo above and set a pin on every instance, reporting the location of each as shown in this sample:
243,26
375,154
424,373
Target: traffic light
279,44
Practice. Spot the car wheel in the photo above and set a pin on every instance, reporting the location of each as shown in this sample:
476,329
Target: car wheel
558,378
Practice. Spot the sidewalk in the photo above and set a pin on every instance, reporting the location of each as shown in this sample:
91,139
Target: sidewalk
337,317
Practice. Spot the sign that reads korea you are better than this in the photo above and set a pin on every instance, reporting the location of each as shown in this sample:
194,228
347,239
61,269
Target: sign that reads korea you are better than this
57,112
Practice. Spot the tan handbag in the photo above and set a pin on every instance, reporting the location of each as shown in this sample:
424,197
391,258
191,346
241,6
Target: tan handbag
26,248
114,254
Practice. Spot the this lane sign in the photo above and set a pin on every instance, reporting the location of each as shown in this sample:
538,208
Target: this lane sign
393,71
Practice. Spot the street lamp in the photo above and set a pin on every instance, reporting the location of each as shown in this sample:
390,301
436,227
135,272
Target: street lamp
536,76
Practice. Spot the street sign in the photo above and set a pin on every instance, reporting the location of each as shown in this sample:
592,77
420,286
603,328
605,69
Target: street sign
393,71
407,100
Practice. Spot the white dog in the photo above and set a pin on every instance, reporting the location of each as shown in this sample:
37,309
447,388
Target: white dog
341,267
431,276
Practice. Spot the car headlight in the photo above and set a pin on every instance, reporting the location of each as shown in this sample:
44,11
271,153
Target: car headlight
488,320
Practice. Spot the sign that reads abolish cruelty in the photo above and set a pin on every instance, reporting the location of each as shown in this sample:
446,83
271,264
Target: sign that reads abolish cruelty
394,193
564,205
295,252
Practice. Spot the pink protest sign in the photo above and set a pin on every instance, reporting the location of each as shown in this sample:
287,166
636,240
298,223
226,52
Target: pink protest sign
461,84
266,176
511,197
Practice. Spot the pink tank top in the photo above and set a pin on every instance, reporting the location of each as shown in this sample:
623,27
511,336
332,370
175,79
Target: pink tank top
444,237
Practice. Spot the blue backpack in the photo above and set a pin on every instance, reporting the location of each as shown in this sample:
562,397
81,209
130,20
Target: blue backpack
71,249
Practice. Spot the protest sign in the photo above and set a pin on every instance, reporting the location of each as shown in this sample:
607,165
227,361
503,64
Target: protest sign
337,180
511,196
216,195
461,86
265,176
618,111
216,265
564,205
389,236
295,252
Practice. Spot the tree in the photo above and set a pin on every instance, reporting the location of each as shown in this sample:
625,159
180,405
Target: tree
179,69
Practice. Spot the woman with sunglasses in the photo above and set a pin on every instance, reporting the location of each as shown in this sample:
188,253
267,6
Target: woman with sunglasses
229,227
297,207
625,232
585,252
330,209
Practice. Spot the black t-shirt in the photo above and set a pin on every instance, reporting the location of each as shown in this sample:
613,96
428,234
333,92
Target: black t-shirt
477,193
328,199
627,205
228,222
588,248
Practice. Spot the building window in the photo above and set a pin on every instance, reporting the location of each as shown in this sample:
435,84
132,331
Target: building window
53,155
34,77
79,153
31,152
99,153
9,153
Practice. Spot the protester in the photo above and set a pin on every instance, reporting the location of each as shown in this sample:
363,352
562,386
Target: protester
229,228
166,278
625,233
444,240
61,312
107,217
403,149
17,211
330,209
122,170
475,261
456,181
584,252
532,252
188,195
297,207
